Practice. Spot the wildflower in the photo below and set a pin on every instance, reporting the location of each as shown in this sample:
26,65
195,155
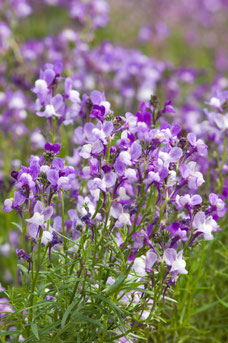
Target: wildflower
175,261
218,204
193,177
205,225
41,214
151,258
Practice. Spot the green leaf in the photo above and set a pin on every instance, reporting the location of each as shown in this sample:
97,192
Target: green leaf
102,298
35,330
222,302
22,268
17,225
6,333
122,326
116,284
88,319
206,307
67,313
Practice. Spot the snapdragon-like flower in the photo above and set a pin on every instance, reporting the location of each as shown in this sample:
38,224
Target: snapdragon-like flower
193,177
151,258
122,218
188,201
41,214
175,261
197,145
218,204
205,225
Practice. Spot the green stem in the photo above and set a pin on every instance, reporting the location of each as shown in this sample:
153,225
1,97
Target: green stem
34,281
63,226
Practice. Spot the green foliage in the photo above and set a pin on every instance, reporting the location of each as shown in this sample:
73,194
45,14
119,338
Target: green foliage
200,314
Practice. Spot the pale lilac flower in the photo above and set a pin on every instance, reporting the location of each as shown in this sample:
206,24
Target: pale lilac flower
70,93
139,265
221,121
8,205
108,181
151,258
55,108
124,219
218,99
218,203
189,172
130,175
41,214
172,178
117,212
104,132
64,183
166,158
198,144
25,179
41,88
47,237
175,261
187,200
152,177
205,225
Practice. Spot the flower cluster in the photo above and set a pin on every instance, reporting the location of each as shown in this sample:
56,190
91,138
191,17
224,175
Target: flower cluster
135,185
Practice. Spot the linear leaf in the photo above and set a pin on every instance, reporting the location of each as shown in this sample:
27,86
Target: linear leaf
67,313
35,330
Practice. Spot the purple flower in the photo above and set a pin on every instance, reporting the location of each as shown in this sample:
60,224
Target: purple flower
41,214
187,201
23,255
104,132
168,108
71,94
56,108
218,99
151,258
25,179
194,178
8,205
54,148
173,156
218,203
205,225
199,145
117,212
106,182
175,261
41,89
5,308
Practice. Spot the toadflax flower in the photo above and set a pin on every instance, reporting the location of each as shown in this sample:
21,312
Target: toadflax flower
41,214
218,204
175,261
205,225
193,177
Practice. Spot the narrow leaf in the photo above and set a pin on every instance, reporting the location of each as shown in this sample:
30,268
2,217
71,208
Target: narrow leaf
35,330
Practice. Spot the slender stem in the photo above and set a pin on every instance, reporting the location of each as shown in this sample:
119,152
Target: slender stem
63,227
34,281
